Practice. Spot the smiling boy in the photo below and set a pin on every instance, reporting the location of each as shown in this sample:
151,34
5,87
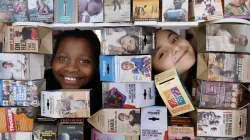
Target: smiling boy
237,8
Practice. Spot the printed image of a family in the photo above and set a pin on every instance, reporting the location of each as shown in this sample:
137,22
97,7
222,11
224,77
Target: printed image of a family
119,41
216,68
69,106
208,121
228,38
139,66
90,11
237,8
14,8
14,68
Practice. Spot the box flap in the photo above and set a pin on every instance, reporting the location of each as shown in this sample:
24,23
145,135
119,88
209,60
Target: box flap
45,38
97,120
202,66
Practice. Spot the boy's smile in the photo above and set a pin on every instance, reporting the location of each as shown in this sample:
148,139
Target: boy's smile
74,68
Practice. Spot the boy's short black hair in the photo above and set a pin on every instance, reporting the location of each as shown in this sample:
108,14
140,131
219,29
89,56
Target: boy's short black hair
4,64
88,35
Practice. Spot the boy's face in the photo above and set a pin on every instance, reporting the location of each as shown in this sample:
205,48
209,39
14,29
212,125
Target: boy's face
8,65
18,34
93,8
128,43
178,3
127,66
124,117
239,40
172,51
74,67
238,2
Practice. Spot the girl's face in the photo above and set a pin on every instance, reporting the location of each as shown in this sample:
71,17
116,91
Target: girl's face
172,51
73,65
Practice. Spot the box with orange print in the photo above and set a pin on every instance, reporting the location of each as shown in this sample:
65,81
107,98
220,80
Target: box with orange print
27,39
224,67
125,68
173,92
17,119
146,10
128,95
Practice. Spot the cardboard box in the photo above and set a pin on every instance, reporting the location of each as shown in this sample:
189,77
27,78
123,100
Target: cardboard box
97,135
240,11
116,121
220,123
86,15
13,11
65,103
15,66
125,68
173,93
66,11
27,39
204,10
21,93
154,123
71,129
17,119
128,95
177,132
217,138
16,136
223,37
174,11
117,11
146,10
45,128
127,40
223,95
223,67
41,11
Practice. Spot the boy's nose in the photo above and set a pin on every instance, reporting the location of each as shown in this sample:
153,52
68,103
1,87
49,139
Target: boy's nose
72,67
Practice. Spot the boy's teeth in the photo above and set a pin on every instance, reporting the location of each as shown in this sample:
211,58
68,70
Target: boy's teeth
71,79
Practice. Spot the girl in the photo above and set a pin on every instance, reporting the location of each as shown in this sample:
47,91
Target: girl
75,62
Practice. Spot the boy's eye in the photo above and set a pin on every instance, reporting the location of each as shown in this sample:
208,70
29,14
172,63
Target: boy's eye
63,58
84,61
162,54
175,39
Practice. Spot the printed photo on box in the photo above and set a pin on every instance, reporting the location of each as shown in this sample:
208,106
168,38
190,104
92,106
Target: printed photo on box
70,129
13,66
117,10
222,67
221,123
145,10
227,38
41,10
127,40
180,133
128,95
20,93
237,8
174,10
90,11
16,135
208,10
136,67
12,11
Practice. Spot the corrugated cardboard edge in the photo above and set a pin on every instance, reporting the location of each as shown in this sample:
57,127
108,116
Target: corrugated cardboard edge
202,66
94,121
45,36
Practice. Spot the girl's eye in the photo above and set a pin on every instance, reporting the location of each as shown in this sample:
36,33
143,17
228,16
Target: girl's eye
162,54
63,58
84,61
175,39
